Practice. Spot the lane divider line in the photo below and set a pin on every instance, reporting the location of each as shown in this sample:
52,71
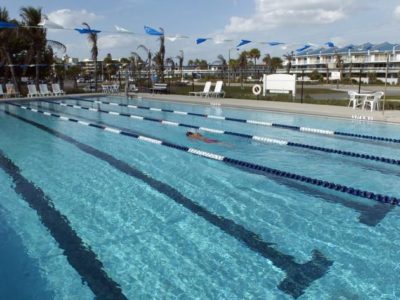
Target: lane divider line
239,163
255,122
261,139
299,276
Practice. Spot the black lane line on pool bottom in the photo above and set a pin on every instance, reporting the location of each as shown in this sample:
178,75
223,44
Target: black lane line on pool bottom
299,276
79,256
370,215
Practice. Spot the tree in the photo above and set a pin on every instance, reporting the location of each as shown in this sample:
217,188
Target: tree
74,72
110,66
267,60
148,62
8,41
94,51
35,36
180,58
254,54
137,64
160,57
339,64
222,62
289,58
276,62
242,63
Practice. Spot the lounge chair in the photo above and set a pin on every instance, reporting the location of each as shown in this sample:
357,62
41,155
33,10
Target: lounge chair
373,101
44,91
354,99
10,90
133,88
57,91
218,92
32,91
1,91
205,92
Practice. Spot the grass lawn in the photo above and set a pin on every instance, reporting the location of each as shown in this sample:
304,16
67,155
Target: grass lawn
310,95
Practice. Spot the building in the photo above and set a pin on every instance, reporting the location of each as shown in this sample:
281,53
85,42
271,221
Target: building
356,61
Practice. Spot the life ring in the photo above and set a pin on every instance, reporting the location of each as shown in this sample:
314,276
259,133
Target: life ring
256,89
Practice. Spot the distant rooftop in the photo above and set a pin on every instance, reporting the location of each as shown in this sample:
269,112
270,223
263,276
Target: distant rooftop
383,47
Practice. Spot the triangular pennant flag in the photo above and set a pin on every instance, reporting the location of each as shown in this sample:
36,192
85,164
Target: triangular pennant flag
201,40
243,42
122,30
152,31
303,48
275,43
330,44
86,30
7,25
50,25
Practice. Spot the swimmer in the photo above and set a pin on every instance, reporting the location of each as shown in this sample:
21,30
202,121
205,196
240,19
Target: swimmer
198,136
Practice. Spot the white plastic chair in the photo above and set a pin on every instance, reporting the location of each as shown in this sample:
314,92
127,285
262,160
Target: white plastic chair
10,90
32,92
374,102
205,91
44,91
218,92
57,91
354,100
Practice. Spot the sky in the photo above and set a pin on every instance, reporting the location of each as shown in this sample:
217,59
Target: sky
295,22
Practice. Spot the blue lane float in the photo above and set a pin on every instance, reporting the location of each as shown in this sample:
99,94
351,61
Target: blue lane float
265,140
254,122
229,161
298,276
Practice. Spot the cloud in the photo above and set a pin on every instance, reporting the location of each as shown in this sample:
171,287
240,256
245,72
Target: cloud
397,13
72,18
273,13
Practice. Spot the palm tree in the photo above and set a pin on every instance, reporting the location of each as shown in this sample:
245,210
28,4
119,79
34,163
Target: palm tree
254,54
242,63
148,61
35,36
339,63
94,51
7,41
267,60
289,58
171,62
161,54
180,58
222,62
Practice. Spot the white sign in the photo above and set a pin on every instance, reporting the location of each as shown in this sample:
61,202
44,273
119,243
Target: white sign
279,83
335,75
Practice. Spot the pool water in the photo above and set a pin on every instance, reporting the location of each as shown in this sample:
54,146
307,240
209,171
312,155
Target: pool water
86,213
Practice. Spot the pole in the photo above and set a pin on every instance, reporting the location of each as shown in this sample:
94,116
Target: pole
229,67
302,85
359,82
386,78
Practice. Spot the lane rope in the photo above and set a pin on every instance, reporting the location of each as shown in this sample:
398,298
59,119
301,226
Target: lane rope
261,139
227,160
254,122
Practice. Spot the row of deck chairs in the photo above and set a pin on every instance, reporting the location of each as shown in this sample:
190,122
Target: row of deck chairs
218,92
110,88
10,91
44,91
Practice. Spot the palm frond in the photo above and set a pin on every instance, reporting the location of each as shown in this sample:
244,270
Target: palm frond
56,45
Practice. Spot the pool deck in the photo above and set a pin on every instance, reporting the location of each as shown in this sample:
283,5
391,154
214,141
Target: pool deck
389,116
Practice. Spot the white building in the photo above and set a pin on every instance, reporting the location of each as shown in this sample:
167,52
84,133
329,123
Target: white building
359,60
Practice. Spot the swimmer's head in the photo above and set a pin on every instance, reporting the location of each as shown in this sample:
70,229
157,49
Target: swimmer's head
189,133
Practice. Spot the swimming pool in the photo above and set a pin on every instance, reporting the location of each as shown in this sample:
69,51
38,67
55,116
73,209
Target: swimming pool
106,197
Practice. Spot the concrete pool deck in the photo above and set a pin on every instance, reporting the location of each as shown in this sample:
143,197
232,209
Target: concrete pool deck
389,116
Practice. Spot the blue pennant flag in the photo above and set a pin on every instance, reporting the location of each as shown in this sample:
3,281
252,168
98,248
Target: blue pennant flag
330,44
275,43
243,42
152,31
200,40
7,25
303,48
86,30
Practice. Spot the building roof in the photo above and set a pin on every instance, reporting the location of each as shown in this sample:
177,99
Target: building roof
383,47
